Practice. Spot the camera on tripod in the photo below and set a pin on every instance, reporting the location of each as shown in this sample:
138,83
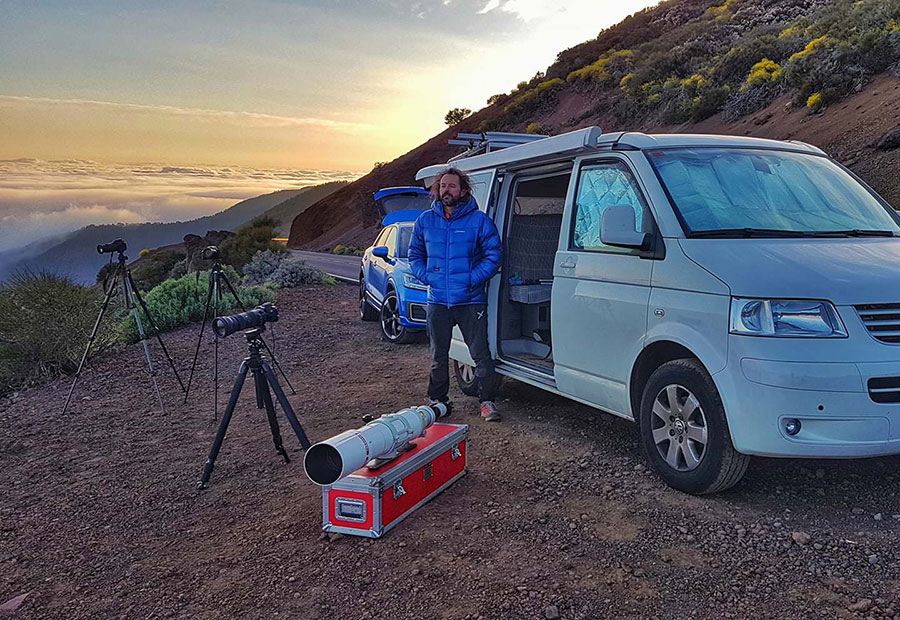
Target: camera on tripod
211,252
258,317
113,246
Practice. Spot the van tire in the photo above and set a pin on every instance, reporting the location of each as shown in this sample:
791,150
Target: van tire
720,465
465,378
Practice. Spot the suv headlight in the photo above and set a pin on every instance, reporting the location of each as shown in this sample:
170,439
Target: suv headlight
410,281
785,317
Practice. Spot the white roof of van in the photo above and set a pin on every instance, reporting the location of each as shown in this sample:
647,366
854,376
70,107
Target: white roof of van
581,141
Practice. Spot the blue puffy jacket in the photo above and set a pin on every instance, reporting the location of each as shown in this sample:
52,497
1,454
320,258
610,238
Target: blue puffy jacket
455,256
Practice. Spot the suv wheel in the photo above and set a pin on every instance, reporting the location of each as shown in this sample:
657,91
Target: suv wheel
684,431
366,311
391,328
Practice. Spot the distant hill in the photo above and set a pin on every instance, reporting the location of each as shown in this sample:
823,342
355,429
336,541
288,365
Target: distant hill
76,254
286,211
821,71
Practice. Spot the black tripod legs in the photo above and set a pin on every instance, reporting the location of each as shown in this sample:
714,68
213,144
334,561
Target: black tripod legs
286,406
199,340
261,382
137,295
109,294
223,425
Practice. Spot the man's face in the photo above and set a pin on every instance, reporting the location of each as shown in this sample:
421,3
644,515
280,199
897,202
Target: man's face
450,190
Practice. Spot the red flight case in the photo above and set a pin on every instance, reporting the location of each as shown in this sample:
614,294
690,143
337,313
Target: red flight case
370,502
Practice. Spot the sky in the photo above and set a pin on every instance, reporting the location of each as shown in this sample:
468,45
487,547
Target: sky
269,84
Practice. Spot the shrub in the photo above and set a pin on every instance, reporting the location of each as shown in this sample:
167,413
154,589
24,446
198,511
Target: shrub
531,98
815,102
347,250
283,271
747,101
181,301
250,239
144,252
534,127
45,320
456,116
764,72
154,267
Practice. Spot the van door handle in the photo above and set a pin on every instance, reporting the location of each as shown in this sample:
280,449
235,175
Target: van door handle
568,263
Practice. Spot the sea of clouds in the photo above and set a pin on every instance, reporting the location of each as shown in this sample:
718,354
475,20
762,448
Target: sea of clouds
43,199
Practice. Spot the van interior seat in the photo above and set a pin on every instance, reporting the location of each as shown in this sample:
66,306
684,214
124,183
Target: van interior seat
533,241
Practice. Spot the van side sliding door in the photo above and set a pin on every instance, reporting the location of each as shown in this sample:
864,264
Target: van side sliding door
600,293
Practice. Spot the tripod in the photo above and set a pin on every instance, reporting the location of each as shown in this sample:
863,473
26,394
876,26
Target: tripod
131,294
263,378
217,277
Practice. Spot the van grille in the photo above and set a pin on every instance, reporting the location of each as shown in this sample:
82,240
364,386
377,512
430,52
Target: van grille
882,321
885,389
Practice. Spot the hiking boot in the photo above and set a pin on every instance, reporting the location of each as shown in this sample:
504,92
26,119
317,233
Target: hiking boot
489,411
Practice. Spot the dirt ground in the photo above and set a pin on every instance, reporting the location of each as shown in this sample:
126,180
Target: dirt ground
558,517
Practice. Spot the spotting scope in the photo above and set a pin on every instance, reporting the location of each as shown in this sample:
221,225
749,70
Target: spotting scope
330,460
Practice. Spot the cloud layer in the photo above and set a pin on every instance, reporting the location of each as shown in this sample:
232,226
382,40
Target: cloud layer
41,199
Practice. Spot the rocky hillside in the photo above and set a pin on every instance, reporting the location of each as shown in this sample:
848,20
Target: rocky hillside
821,71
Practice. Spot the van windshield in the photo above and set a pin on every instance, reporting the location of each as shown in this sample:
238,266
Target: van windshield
722,192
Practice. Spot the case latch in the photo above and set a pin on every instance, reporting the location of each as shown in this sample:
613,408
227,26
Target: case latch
399,491
454,452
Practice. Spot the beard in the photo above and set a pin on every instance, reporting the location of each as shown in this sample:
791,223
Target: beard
448,200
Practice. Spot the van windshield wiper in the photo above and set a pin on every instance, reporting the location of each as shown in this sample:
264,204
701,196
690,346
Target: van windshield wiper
731,233
856,232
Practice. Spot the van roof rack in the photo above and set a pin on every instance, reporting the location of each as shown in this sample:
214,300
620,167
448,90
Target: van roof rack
486,142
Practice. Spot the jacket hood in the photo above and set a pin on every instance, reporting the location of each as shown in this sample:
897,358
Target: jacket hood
843,271
460,210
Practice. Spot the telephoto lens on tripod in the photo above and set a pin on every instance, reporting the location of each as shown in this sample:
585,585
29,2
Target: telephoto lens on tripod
113,246
258,317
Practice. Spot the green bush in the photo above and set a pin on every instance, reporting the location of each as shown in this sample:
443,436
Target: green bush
154,267
45,321
181,301
282,271
250,239
347,250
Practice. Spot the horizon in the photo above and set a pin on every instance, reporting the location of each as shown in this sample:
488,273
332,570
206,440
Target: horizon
324,88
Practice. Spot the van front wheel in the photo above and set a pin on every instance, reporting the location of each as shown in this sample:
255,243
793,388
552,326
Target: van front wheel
684,431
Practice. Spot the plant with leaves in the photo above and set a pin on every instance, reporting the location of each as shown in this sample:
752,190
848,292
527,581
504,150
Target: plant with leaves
456,116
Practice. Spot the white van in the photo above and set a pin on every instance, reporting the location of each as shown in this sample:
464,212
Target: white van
734,296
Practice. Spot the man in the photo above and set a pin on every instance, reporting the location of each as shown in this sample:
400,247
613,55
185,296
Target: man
455,249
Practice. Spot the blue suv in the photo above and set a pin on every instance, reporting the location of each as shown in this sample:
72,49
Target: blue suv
388,291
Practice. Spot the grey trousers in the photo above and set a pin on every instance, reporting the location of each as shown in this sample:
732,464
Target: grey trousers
472,321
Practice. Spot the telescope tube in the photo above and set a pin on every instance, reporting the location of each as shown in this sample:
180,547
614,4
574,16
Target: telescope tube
330,460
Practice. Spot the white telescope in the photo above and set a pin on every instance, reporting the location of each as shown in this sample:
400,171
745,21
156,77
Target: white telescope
383,438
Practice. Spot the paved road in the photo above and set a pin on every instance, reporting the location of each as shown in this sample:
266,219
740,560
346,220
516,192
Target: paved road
342,267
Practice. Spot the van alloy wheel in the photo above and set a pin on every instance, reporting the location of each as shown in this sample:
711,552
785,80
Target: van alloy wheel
679,428
684,430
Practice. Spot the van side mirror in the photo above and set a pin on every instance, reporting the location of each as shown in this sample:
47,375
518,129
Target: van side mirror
619,229
380,251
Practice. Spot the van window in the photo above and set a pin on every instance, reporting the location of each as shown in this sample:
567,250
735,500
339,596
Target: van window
601,186
719,189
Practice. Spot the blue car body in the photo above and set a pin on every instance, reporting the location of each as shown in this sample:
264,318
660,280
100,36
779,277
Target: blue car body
387,285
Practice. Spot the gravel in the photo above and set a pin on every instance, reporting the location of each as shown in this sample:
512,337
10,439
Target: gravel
100,517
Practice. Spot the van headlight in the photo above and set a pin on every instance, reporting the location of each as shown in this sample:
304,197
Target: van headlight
411,281
785,317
